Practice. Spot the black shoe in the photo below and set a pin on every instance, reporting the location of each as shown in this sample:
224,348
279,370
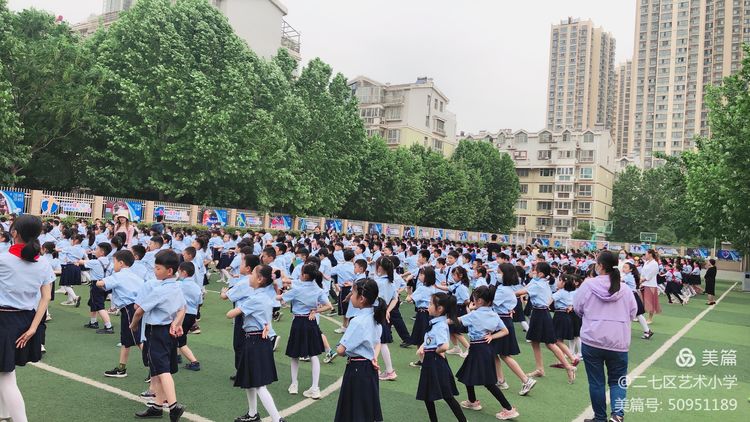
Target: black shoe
148,394
78,302
116,373
147,379
106,330
150,412
247,418
175,412
94,325
405,344
232,377
193,366
647,335
616,418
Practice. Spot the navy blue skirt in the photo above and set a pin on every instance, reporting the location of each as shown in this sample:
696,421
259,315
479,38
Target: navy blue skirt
128,338
12,325
225,260
187,323
457,328
257,367
359,397
421,324
162,350
639,304
344,305
518,315
479,365
540,327
238,339
528,308
70,275
563,325
144,353
436,380
386,336
215,254
507,345
576,324
304,338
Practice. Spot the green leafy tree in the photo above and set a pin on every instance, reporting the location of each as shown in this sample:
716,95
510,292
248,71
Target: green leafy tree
11,134
718,173
583,231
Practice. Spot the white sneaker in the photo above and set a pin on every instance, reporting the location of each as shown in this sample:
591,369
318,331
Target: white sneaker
501,384
60,291
312,393
527,386
340,330
293,389
68,303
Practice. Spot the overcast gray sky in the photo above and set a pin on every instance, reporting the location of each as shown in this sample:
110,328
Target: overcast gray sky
489,57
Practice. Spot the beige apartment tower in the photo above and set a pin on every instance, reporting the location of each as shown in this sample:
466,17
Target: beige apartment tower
581,76
680,48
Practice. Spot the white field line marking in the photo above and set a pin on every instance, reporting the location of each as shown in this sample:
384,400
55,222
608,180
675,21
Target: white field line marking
107,388
640,369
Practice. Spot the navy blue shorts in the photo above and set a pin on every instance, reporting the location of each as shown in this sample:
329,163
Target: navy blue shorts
129,338
187,323
96,297
162,350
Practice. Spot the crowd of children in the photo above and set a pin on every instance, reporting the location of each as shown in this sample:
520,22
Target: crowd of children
467,299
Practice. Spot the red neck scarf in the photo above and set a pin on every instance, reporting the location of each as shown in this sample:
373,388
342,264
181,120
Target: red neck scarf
15,249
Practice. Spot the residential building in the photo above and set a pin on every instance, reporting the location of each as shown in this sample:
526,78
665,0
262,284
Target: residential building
680,48
581,81
566,178
259,22
621,122
406,114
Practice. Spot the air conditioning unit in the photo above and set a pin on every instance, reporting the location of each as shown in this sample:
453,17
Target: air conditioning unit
542,228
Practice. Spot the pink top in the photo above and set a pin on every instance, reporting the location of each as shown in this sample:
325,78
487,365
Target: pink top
129,231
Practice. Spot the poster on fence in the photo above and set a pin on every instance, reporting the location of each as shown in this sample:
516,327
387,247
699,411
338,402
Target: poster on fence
281,222
246,219
589,245
213,218
375,228
543,242
702,253
437,233
474,236
335,225
51,206
484,237
667,250
729,255
616,247
504,238
11,202
356,227
133,208
392,230
423,233
639,249
559,244
308,224
172,215
463,236
409,231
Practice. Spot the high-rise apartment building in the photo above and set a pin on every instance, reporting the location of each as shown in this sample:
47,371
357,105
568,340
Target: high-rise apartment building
406,114
621,121
566,178
680,48
116,5
581,76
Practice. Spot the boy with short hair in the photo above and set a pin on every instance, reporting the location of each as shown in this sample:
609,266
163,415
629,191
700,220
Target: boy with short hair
125,285
193,299
98,269
162,306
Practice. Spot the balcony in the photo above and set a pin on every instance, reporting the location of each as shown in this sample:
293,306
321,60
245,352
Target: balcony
290,39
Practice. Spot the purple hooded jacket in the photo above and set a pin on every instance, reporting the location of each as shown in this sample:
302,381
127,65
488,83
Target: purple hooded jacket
606,318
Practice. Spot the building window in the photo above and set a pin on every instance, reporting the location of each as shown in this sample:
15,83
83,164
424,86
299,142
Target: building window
521,221
545,188
519,155
587,173
584,224
524,188
585,190
437,144
566,136
564,188
429,101
543,221
394,135
586,156
545,137
522,172
588,137
544,154
439,126
436,103
393,113
521,204
544,205
584,208
521,138
442,104
427,121
546,172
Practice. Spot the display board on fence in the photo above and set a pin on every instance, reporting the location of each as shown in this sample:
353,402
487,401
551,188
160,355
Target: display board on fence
356,227
409,231
729,255
335,224
248,219
424,232
281,222
172,215
702,253
375,228
639,249
616,247
589,245
504,238
51,206
667,250
437,233
212,217
133,208
474,236
11,202
392,230
484,237
308,223
449,234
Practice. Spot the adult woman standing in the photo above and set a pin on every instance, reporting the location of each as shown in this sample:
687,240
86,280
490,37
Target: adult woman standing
606,308
650,289
710,278
123,226
24,295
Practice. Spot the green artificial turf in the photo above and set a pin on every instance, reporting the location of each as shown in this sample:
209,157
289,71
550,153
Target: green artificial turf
209,393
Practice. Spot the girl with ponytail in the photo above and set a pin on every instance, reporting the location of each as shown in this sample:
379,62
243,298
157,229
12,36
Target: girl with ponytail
458,286
24,295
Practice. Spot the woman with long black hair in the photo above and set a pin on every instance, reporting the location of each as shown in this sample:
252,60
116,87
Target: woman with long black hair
25,292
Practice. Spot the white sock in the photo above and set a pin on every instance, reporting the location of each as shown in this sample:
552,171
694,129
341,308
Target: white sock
71,294
315,361
295,370
642,321
577,341
572,346
252,401
11,398
525,325
386,354
267,400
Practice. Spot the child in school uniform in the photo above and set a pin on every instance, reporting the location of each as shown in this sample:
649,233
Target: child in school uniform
359,396
541,329
162,306
344,273
257,368
388,294
238,290
503,303
225,257
139,267
631,278
421,298
98,269
193,298
50,256
70,272
459,287
397,320
436,380
125,285
307,299
215,245
478,368
562,322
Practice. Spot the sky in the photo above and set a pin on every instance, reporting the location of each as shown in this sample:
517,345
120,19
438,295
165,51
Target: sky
490,57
